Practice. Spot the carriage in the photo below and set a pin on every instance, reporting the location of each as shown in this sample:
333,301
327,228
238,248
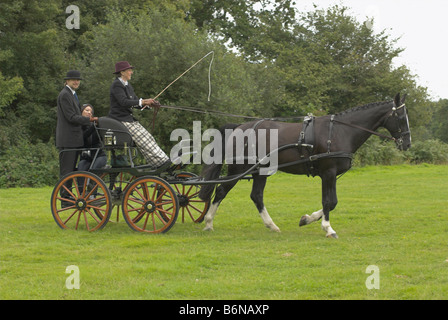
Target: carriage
150,199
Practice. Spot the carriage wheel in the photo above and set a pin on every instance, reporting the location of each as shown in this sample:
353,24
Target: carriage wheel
150,205
117,183
190,204
81,200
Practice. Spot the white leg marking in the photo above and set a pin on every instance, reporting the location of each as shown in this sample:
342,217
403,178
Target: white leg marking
328,229
307,219
268,221
210,216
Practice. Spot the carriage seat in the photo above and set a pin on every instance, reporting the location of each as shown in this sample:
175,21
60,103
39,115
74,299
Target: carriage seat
120,132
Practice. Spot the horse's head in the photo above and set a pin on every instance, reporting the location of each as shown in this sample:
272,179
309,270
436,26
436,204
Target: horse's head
397,123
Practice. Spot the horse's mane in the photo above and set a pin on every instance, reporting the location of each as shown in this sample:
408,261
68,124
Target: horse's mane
364,107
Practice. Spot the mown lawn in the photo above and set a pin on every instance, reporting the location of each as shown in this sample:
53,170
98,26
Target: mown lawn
394,218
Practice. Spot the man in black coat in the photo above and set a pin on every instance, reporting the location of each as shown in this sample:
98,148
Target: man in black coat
69,133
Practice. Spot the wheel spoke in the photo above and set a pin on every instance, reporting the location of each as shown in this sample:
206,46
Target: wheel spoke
191,205
74,212
88,196
157,208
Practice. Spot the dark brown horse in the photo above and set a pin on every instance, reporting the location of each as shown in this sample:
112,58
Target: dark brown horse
324,148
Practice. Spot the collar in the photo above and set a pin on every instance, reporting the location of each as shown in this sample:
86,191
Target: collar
73,91
122,81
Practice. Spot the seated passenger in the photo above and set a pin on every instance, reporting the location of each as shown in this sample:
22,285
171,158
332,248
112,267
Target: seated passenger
91,141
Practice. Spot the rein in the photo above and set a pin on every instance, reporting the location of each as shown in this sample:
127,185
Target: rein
394,111
367,130
220,113
224,114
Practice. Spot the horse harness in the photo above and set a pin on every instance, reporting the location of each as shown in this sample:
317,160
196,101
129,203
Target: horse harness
306,141
307,138
306,146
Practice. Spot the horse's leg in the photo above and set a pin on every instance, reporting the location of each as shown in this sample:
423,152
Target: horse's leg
221,193
307,219
257,197
210,216
329,201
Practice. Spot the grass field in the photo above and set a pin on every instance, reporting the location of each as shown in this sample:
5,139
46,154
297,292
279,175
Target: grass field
394,218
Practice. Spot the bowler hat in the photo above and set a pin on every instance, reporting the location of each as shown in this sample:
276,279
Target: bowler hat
121,66
73,75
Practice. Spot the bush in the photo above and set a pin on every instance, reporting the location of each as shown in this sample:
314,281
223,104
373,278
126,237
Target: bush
29,165
377,152
429,151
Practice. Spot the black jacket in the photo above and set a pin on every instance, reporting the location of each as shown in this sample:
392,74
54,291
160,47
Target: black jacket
91,141
122,100
69,132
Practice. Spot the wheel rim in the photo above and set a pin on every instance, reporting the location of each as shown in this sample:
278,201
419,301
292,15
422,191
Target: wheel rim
191,207
81,201
150,205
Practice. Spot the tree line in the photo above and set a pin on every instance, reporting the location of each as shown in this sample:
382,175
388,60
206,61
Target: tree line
270,60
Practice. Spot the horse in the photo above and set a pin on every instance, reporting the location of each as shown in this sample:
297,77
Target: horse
322,146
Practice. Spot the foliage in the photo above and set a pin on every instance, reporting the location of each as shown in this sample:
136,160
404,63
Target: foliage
29,165
429,151
9,87
378,152
160,56
269,60
439,125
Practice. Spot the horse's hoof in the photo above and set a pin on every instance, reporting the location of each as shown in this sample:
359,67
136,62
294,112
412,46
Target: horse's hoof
207,229
303,221
332,235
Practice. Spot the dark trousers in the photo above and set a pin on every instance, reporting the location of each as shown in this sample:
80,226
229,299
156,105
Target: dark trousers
67,161
67,164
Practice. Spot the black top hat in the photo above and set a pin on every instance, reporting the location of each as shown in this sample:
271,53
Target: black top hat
73,75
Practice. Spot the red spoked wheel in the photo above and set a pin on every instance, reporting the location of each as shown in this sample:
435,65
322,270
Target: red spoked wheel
190,205
81,201
150,205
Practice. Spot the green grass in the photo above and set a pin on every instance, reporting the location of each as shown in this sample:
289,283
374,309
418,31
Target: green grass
393,217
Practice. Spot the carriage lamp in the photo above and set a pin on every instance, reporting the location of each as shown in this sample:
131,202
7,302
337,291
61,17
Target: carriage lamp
108,141
108,138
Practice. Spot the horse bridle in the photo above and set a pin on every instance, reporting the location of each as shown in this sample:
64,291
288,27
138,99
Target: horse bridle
394,113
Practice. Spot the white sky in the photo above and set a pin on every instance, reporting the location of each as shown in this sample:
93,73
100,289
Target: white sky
423,30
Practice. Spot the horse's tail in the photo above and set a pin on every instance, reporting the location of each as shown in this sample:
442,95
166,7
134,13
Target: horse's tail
212,171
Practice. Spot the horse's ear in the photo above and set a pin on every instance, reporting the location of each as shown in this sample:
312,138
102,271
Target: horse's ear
397,100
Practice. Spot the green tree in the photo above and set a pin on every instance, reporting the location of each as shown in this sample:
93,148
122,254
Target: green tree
31,34
439,123
330,62
150,41
9,87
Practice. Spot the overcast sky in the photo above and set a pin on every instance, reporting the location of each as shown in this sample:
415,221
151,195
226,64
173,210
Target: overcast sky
423,30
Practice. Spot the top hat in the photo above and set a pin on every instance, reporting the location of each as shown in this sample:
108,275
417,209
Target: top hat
121,66
73,75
